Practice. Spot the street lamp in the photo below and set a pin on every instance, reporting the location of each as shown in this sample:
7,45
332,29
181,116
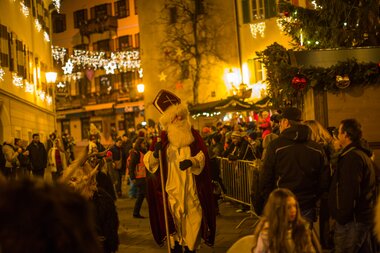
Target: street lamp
51,77
140,88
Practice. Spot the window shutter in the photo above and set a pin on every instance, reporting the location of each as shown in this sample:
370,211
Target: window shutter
109,9
116,8
92,12
270,8
246,11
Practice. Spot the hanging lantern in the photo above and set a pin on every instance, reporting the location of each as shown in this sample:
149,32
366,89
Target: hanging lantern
299,82
342,82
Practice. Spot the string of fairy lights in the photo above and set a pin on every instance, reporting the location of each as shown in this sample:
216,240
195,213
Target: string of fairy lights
83,59
19,81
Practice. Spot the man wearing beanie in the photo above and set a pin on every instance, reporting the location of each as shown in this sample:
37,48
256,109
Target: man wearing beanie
295,162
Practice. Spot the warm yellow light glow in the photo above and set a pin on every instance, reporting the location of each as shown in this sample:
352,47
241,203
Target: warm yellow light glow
245,73
51,77
259,90
140,88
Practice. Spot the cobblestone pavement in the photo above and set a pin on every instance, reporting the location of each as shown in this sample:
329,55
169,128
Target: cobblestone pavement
135,235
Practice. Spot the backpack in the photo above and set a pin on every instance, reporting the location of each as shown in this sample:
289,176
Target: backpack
2,157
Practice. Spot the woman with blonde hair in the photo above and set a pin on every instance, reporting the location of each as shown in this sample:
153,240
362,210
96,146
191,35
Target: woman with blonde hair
320,135
280,230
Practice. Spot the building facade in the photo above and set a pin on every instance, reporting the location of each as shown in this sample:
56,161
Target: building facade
26,97
236,28
95,86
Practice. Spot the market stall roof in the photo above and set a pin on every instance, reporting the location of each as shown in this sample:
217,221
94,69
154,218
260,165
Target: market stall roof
230,104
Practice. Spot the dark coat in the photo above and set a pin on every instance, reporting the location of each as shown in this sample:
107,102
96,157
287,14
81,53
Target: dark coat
37,155
204,190
352,191
107,221
296,163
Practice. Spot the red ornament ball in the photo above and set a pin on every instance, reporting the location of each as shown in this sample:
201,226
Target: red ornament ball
299,82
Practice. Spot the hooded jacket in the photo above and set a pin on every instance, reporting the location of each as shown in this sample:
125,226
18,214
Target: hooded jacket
295,162
352,190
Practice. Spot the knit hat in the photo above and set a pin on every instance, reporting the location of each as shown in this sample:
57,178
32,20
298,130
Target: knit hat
292,113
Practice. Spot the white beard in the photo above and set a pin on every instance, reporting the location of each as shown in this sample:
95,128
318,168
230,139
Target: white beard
180,134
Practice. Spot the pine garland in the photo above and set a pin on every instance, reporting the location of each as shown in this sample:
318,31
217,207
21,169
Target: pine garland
280,74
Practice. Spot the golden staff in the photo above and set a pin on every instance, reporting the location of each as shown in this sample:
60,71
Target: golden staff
164,197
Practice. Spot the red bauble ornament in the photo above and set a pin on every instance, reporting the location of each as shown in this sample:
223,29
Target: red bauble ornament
299,82
286,14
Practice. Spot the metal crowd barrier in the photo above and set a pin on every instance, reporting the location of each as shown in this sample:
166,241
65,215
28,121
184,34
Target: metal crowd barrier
241,179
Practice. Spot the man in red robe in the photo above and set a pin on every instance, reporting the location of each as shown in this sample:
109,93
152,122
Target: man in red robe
187,179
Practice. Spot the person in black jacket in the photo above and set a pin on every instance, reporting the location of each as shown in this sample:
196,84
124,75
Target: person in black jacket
352,191
37,156
294,162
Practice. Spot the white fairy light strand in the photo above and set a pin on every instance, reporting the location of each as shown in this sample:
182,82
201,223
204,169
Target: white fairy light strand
257,28
82,59
57,5
2,73
17,80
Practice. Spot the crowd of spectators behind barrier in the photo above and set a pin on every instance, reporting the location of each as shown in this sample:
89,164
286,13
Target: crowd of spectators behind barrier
247,141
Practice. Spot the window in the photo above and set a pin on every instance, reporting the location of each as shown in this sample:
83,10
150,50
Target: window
103,45
4,46
173,15
125,42
83,86
100,11
122,8
80,17
85,123
65,126
59,22
103,84
199,7
137,40
135,3
126,81
258,9
256,71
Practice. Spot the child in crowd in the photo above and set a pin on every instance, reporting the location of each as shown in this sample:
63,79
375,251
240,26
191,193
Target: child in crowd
281,228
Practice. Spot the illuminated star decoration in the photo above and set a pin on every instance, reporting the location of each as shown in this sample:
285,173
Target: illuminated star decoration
2,74
110,67
179,52
61,85
162,76
29,87
68,68
17,80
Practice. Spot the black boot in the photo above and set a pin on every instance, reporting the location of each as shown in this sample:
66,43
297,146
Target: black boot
189,251
177,248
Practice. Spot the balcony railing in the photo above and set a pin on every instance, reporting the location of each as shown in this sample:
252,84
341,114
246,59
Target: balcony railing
98,25
79,101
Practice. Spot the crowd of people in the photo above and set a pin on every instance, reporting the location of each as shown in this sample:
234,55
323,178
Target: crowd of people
330,171
308,173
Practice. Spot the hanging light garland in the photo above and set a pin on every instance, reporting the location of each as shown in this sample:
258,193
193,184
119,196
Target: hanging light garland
57,4
257,28
2,73
83,59
24,9
58,53
29,87
17,80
